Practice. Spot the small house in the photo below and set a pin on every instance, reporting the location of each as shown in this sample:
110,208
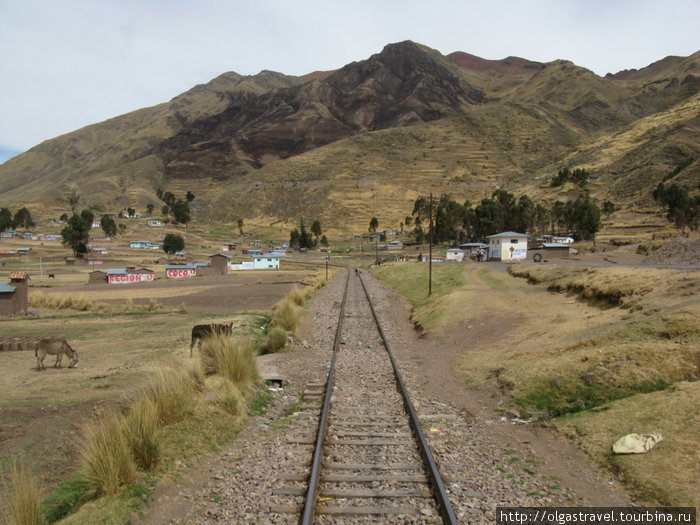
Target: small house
220,263
455,254
180,271
97,277
266,262
507,246
154,222
14,295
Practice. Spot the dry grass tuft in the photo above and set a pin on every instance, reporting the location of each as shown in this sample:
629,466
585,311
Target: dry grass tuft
231,359
105,454
286,314
143,433
173,392
82,304
276,340
23,500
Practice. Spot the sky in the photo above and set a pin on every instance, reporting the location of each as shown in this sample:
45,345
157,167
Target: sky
65,64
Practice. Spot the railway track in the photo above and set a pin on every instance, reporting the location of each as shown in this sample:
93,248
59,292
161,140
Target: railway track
362,457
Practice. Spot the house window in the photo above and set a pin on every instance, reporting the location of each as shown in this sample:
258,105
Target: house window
514,241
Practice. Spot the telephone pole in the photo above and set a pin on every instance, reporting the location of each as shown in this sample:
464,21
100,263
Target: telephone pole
430,248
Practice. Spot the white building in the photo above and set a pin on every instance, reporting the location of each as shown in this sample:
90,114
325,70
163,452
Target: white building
507,246
266,262
455,254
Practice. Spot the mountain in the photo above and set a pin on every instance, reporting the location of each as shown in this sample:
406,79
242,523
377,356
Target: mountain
366,139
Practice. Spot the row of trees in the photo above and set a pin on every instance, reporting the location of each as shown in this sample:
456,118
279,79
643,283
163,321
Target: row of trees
180,209
578,176
457,223
21,219
681,209
302,238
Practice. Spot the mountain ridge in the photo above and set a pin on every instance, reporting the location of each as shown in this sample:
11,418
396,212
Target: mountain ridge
503,123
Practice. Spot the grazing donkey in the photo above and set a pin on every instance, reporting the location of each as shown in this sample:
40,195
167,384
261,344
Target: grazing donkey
55,346
201,331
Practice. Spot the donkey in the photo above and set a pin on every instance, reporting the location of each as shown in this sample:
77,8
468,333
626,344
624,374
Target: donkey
201,331
55,346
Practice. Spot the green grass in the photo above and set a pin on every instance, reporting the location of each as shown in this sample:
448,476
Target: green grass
259,403
558,396
411,281
69,494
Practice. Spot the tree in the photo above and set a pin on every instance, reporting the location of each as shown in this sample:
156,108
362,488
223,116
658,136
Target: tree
608,207
63,217
586,217
181,212
189,197
324,241
108,225
131,211
301,238
73,200
240,226
373,225
681,208
22,219
5,219
316,229
168,198
149,208
173,243
165,210
76,233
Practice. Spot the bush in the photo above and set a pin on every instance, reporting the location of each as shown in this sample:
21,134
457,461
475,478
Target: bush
276,340
143,433
286,314
23,506
233,401
173,392
105,454
231,359
298,296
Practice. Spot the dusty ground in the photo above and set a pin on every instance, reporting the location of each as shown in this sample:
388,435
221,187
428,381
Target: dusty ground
240,292
41,413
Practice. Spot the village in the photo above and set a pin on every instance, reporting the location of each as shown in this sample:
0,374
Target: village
104,263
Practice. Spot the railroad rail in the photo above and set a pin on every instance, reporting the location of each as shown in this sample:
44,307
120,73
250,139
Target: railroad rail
369,457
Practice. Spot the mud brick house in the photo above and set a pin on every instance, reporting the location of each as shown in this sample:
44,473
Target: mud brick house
220,263
14,295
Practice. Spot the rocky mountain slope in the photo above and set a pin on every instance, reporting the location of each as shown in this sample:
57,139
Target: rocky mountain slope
366,139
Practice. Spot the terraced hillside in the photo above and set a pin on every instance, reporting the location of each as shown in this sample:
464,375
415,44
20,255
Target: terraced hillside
366,139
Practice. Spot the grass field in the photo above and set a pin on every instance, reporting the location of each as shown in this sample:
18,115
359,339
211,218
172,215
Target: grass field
124,335
562,340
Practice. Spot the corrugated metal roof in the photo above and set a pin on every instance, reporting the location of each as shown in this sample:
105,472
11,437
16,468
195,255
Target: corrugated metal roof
507,234
554,245
6,288
116,271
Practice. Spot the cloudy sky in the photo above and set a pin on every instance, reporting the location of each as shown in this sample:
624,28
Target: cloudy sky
65,64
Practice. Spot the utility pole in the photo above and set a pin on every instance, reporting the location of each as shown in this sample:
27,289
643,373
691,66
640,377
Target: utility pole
430,248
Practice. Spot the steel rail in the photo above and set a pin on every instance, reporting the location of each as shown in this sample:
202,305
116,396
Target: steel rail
438,487
307,514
